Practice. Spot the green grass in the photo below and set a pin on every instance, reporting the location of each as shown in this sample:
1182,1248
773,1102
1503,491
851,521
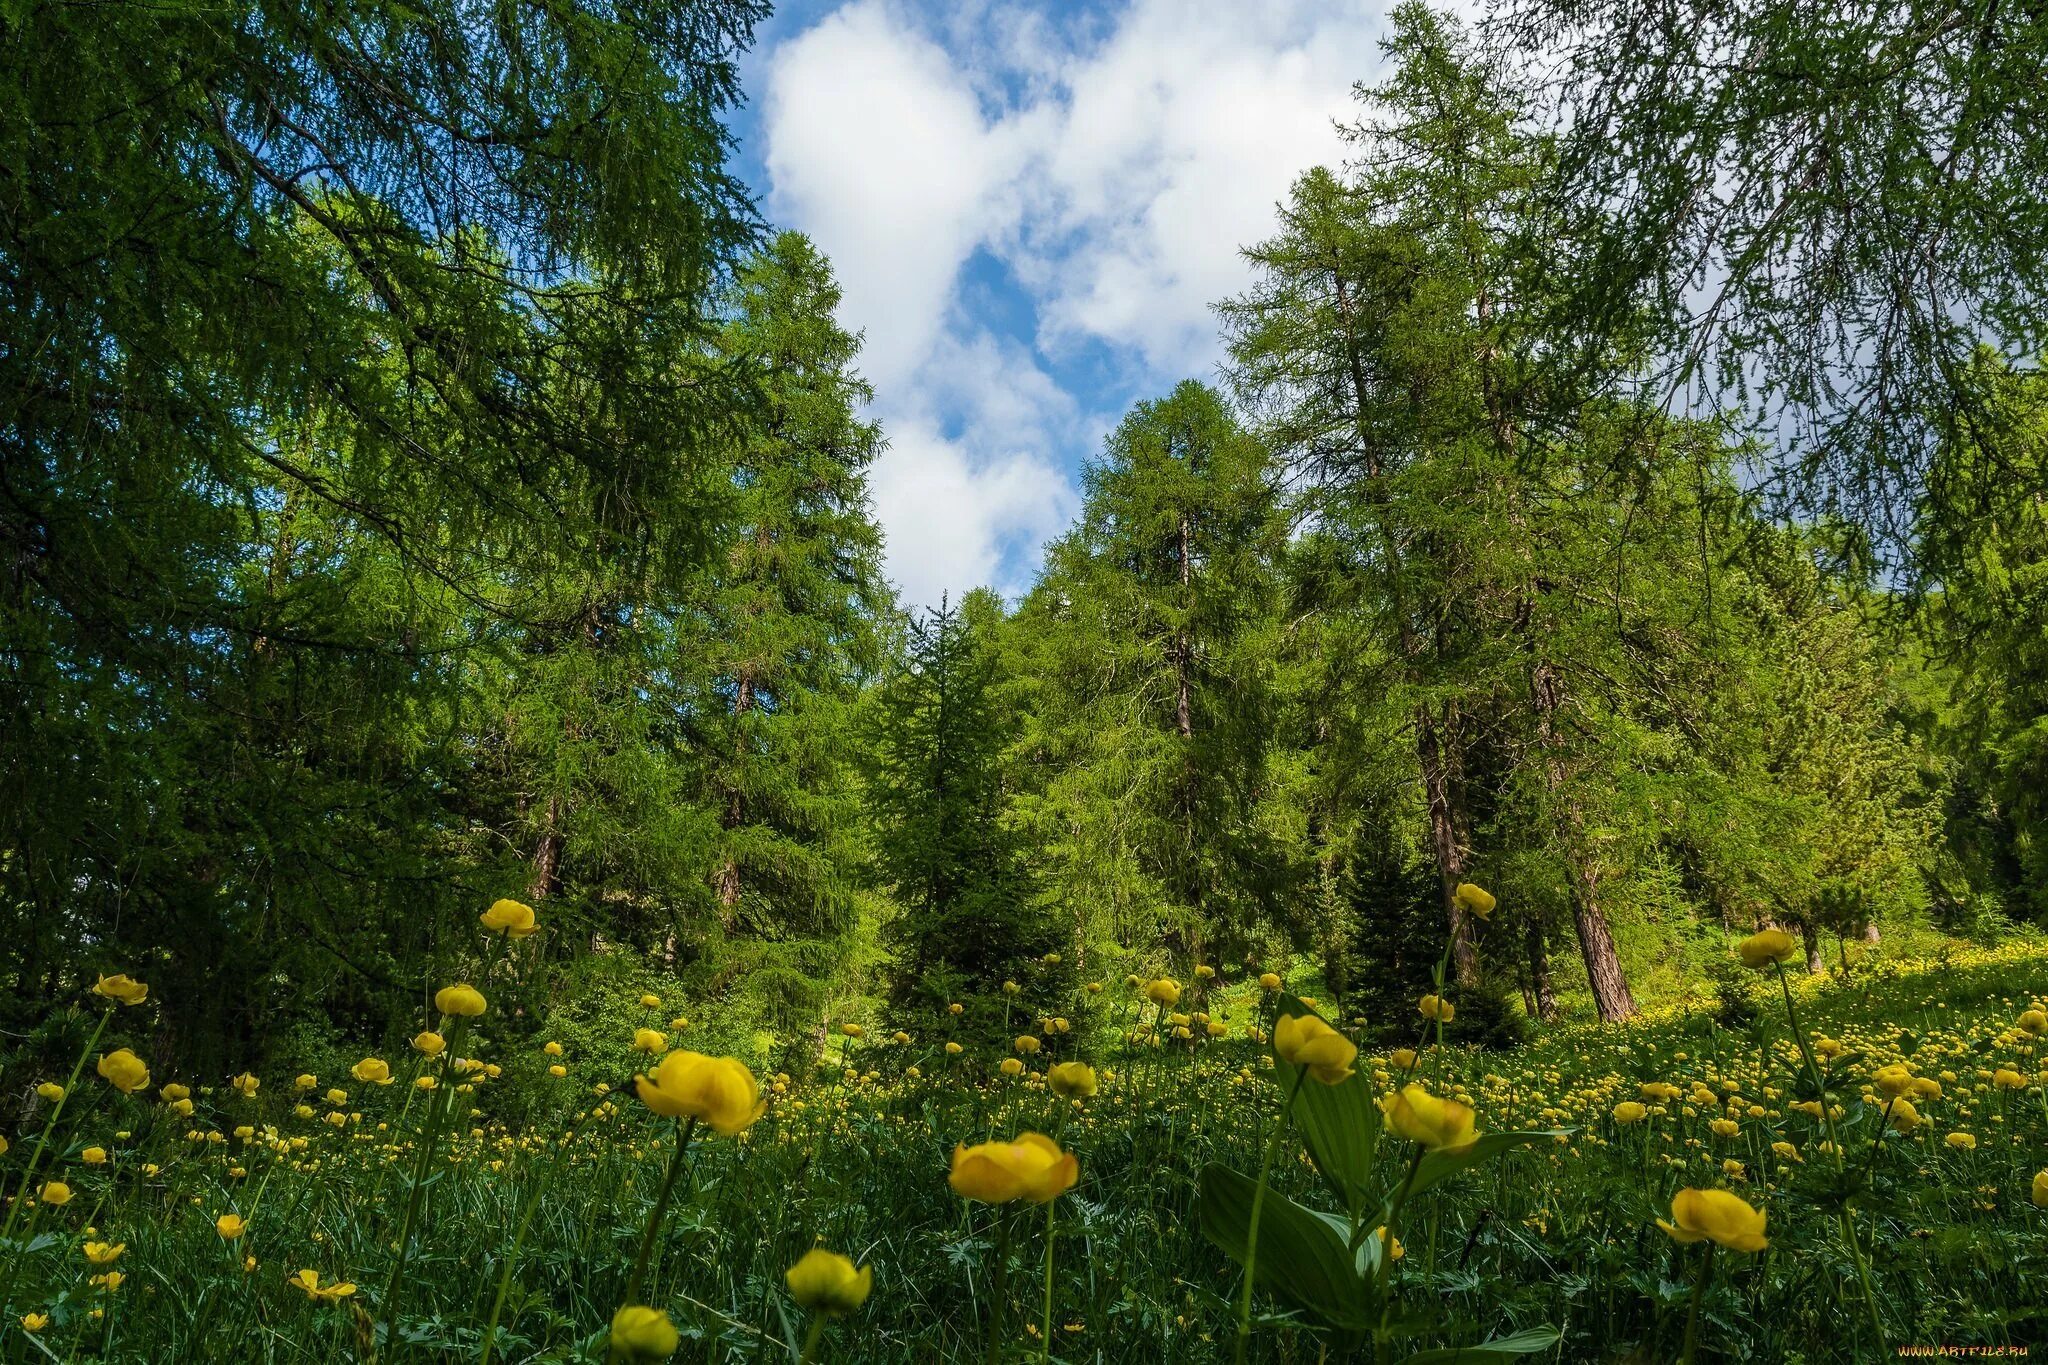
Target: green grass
1560,1234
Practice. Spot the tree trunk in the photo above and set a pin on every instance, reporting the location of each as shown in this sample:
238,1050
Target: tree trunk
547,854
1439,793
1611,995
1814,963
1539,973
1870,935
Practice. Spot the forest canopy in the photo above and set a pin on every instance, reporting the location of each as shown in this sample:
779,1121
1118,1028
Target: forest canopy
425,478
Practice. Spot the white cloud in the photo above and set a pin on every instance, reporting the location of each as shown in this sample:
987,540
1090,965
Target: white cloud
1113,165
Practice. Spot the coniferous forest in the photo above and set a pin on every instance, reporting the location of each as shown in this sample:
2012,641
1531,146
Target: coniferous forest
1536,762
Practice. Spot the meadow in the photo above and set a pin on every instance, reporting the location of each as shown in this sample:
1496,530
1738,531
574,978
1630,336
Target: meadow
1885,1130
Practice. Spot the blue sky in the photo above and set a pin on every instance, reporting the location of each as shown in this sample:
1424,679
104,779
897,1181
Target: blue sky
1030,208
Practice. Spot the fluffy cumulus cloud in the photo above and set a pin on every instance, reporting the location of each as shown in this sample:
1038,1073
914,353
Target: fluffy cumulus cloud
1031,210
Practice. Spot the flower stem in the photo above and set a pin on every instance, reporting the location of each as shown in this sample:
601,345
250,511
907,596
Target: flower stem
1251,1236
812,1337
659,1211
1000,1287
1045,1335
1692,1314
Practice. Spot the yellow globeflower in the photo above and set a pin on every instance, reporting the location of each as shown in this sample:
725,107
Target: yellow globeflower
1440,1125
558,1071
1725,1128
1163,991
828,1283
1894,1080
370,1071
459,1000
1630,1111
429,1042
1962,1142
230,1226
2005,1078
123,1070
2041,1189
1204,972
1010,1066
55,1193
306,1080
1715,1216
852,1030
1033,1167
1903,1116
954,1049
122,989
552,1049
50,1092
1403,1058
2034,1022
719,1091
1072,1080
309,1281
1026,1044
1269,982
174,1092
1437,1008
643,1334
247,1084
1312,1045
509,917
1761,949
1479,901
94,1156
648,1041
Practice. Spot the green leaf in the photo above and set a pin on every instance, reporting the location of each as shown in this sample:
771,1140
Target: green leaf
1302,1257
1340,1123
1438,1167
1526,1342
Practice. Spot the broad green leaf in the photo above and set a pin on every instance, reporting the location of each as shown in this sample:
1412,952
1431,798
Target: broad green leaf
1526,1342
1340,1123
1302,1257
1438,1167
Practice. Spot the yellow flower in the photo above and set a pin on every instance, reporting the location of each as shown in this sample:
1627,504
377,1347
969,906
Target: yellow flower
429,1042
1305,1041
248,1084
509,917
1395,1251
719,1091
1630,1111
558,1071
310,1282
1437,1008
1480,902
425,1083
2041,1189
2034,1022
1163,991
50,1092
1726,1128
230,1226
1072,1080
1033,1167
55,1193
1786,1150
1269,982
1440,1125
1403,1058
370,1071
1025,1043
34,1322
1716,1216
1962,1142
1204,972
1663,1091
1763,948
955,1008
118,987
123,1070
643,1334
828,1283
94,1156
182,1108
552,1049
110,1280
954,1049
1903,1116
1927,1088
2005,1078
174,1092
1011,988
102,1253
852,1030
648,1041
1894,1080
460,1000
1010,1066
